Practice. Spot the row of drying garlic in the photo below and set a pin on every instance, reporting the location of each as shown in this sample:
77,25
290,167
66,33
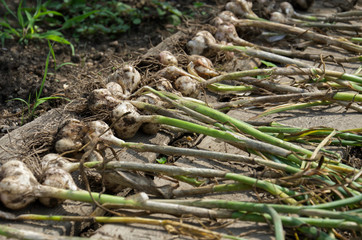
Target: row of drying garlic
121,85
18,185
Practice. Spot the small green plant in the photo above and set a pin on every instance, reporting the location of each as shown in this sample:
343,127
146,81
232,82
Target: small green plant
31,107
162,160
166,10
268,65
31,22
56,67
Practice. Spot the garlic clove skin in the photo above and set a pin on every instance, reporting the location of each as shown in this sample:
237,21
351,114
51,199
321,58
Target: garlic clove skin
168,59
126,120
187,86
101,100
70,135
58,178
17,185
128,77
115,89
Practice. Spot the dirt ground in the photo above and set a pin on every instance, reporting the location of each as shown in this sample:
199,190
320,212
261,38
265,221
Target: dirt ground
21,73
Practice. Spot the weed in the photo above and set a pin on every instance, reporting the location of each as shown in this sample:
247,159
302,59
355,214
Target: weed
29,23
31,107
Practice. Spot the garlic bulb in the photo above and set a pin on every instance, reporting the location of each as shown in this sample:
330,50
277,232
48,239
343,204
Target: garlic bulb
234,8
126,120
59,178
241,8
17,185
128,77
150,98
53,160
228,32
228,16
187,86
102,100
203,66
167,58
278,17
200,43
287,9
163,84
100,129
217,21
115,89
172,72
70,135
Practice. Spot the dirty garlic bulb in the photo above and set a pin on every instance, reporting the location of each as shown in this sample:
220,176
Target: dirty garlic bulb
172,72
17,185
217,21
167,58
102,100
59,178
203,66
54,160
126,120
70,135
115,89
100,130
228,32
241,8
200,43
151,98
128,77
162,84
287,9
278,17
228,16
187,86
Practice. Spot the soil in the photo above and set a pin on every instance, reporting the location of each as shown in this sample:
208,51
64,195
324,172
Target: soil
22,69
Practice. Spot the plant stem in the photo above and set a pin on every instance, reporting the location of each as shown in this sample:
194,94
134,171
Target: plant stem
15,233
182,228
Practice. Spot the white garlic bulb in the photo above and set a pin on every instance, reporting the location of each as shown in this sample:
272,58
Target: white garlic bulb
17,185
59,178
187,86
167,58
